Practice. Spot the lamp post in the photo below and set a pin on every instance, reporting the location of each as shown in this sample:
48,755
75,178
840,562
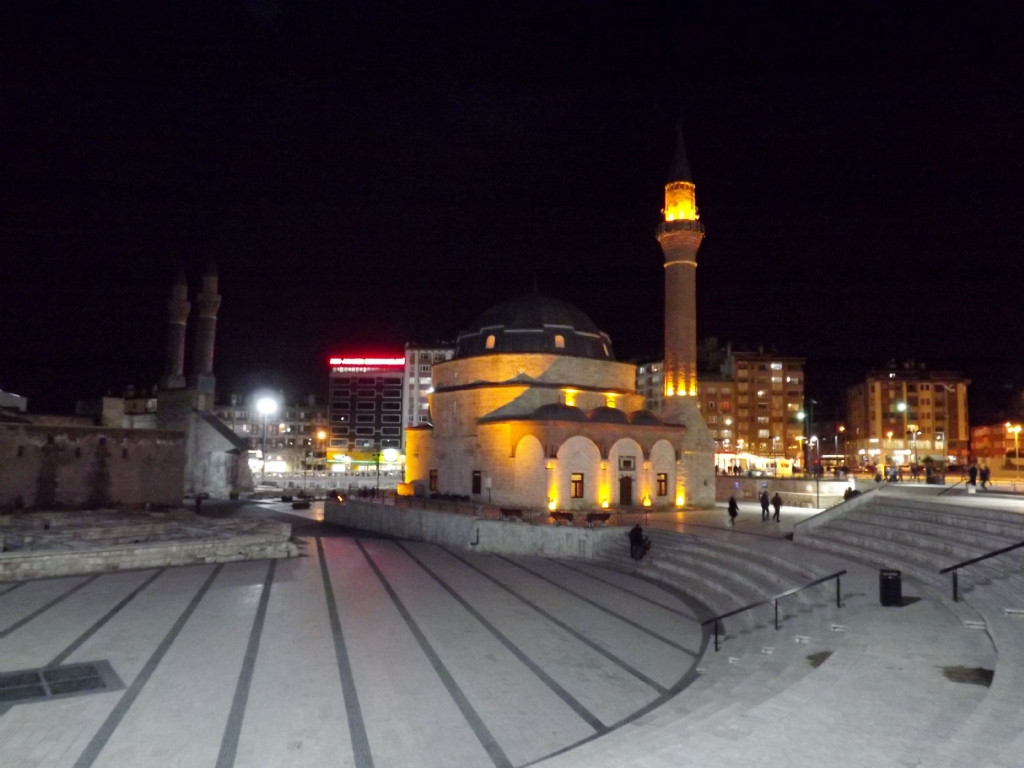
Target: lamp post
802,439
321,435
912,428
266,406
1015,429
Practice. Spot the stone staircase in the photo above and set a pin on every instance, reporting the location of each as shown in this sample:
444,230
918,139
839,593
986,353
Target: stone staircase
922,536
755,661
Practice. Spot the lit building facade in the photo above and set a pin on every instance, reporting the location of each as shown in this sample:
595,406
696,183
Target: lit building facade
993,444
533,411
419,383
905,414
750,403
365,414
296,435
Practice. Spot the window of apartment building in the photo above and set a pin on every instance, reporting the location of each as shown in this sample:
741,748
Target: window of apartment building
711,405
710,391
576,481
776,366
391,419
391,431
364,431
725,405
726,390
392,393
762,420
662,484
424,369
477,481
792,407
391,406
726,433
367,405
365,418
365,393
341,418
433,480
763,433
712,419
364,443
744,412
762,407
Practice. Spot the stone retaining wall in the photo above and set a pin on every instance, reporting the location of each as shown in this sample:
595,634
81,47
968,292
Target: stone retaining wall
471,533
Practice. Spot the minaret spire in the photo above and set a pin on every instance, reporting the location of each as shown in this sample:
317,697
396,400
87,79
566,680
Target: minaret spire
680,163
177,317
680,235
207,304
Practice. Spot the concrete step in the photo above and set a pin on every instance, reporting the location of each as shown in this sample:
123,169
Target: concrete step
936,551
977,517
1008,525
981,539
758,559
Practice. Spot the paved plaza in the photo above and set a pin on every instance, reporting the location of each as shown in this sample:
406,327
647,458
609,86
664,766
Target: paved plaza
367,651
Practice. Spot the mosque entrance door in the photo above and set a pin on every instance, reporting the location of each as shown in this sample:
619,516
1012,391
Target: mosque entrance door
625,491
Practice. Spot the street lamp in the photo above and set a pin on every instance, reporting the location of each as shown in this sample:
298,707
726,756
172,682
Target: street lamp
266,406
321,435
802,439
1015,429
912,428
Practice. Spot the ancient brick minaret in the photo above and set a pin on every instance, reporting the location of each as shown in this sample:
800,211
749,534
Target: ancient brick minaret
680,236
207,304
177,316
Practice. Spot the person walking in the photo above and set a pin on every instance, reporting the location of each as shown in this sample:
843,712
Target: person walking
986,475
636,542
765,514
777,503
734,510
972,475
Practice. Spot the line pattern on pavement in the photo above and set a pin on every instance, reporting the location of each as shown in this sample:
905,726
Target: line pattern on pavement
353,711
486,738
636,625
233,727
626,666
516,651
43,609
102,736
81,639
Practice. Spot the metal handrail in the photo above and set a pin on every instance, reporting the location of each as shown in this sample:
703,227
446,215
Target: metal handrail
775,599
972,561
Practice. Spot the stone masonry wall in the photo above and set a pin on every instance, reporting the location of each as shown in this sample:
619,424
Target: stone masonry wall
89,467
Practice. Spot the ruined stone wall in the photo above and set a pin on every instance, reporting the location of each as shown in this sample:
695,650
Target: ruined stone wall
57,467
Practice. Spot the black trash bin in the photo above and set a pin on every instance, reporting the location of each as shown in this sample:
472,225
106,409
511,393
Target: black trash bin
890,587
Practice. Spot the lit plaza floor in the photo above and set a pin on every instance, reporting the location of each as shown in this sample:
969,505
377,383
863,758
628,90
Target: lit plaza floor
372,652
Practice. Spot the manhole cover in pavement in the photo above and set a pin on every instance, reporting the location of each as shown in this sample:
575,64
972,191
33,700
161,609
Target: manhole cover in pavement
971,675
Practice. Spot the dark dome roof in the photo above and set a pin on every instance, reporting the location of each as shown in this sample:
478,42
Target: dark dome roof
606,415
535,324
558,412
645,418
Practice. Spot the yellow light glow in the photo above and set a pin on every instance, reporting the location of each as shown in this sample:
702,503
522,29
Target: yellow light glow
550,464
681,499
647,501
609,399
552,505
604,465
670,391
680,201
604,504
570,396
321,435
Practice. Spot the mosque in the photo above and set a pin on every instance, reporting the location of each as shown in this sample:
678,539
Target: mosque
534,411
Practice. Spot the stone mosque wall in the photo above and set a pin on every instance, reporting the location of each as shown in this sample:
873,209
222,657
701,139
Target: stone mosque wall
55,467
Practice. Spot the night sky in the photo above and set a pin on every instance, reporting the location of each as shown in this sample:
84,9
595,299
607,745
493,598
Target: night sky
367,174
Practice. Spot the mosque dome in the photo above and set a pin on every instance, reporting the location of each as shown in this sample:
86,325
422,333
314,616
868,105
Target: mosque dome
558,412
607,415
535,324
646,419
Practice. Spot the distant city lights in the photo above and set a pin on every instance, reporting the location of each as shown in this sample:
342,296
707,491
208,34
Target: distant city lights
367,361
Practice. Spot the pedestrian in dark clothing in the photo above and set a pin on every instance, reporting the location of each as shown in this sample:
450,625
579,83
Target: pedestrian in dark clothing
199,502
777,503
638,543
734,510
972,475
986,474
764,507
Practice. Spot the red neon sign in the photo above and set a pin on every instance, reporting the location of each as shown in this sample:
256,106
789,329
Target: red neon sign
367,361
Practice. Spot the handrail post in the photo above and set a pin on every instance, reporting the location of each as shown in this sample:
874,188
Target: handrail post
776,615
716,636
839,602
956,592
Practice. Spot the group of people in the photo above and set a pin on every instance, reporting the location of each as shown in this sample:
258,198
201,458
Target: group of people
775,502
974,474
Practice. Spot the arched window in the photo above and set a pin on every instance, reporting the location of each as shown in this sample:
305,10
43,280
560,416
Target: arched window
490,342
559,341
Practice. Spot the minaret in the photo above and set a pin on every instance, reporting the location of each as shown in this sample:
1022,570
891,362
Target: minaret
680,236
207,304
177,316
